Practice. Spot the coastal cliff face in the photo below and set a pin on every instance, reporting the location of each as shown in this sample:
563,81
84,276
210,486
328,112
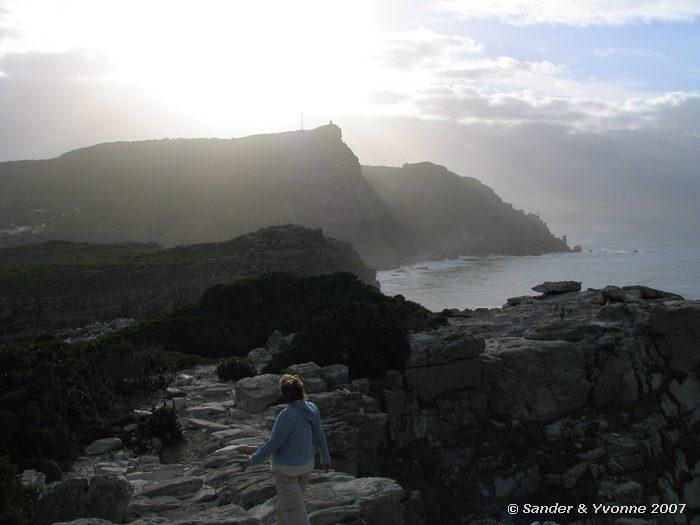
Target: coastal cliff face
64,285
186,191
446,215
580,397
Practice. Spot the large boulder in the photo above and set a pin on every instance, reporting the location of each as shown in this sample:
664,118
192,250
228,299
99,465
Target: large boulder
260,357
108,497
557,287
104,497
305,371
443,361
675,330
34,479
310,373
441,347
335,375
62,501
255,394
102,446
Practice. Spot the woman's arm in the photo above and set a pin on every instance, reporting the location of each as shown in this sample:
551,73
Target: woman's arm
280,431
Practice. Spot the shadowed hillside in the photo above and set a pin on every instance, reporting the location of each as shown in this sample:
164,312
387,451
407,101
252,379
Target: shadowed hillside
62,284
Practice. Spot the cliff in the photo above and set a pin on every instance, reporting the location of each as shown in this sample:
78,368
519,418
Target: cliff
61,284
445,215
186,191
570,398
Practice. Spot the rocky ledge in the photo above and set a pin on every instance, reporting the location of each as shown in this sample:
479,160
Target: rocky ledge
571,397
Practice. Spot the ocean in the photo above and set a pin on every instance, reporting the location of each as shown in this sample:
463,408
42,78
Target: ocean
472,282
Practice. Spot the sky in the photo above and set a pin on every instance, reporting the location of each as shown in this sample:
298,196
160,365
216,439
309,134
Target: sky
583,111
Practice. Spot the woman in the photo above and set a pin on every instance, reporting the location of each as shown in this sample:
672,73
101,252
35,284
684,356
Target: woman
291,445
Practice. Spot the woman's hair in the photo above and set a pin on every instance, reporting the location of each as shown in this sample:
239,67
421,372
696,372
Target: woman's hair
292,388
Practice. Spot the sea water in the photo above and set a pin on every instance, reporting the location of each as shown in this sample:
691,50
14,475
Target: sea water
472,282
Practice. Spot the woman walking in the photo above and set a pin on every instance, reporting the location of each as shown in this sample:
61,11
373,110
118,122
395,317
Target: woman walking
291,445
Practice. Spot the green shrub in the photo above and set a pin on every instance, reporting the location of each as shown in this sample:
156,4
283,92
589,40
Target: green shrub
55,396
17,502
367,337
164,425
234,368
235,318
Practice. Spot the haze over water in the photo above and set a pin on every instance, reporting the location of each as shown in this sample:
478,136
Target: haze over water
472,282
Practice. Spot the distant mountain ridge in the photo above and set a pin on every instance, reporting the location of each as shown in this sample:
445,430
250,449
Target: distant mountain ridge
185,191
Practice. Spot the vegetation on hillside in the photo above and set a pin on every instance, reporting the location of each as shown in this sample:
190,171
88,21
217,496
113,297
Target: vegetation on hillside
82,268
55,396
337,317
17,502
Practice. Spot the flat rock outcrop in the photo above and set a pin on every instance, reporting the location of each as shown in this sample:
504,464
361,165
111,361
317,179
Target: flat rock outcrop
575,397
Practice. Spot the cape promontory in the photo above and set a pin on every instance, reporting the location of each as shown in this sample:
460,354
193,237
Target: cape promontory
185,191
445,215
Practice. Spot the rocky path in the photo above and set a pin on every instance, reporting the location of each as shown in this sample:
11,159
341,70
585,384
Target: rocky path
206,485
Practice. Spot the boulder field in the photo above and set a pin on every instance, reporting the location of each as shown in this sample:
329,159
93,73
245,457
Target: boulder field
571,397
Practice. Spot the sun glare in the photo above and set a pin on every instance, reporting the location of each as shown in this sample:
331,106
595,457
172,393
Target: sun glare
221,59
218,59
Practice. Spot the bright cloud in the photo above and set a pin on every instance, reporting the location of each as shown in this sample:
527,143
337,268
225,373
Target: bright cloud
424,47
220,58
576,12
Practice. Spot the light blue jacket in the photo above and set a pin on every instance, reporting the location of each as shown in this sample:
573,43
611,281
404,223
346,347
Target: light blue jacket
296,430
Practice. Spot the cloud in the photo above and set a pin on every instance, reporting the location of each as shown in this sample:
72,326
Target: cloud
423,48
575,12
52,67
387,97
55,102
503,67
640,180
426,74
626,51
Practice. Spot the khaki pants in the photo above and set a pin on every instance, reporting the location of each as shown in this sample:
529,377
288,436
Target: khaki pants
290,499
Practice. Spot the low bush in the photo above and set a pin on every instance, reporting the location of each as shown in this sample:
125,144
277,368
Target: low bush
56,396
235,318
367,337
164,425
234,368
17,502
